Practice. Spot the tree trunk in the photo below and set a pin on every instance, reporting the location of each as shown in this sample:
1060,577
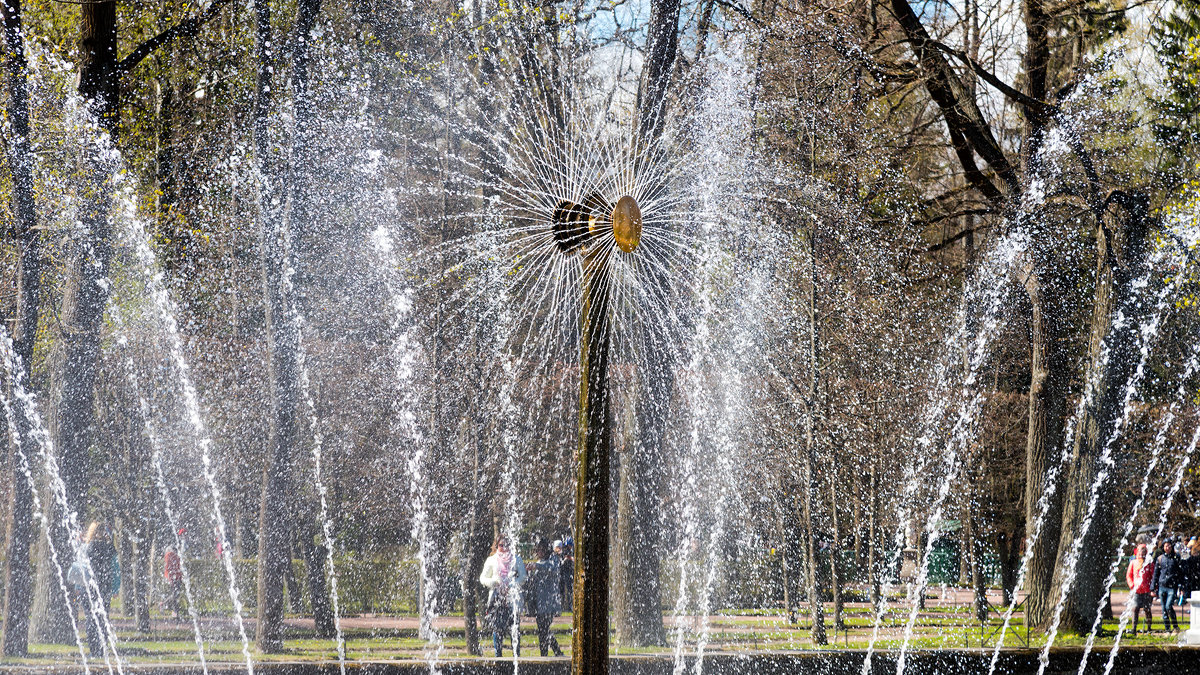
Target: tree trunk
977,578
282,344
790,555
968,537
638,611
637,606
1037,60
283,339
478,541
1050,378
315,556
1120,263
144,572
835,572
662,46
1007,545
20,530
809,497
85,293
872,536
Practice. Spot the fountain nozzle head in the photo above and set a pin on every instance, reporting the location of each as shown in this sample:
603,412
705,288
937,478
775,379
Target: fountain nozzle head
627,223
576,224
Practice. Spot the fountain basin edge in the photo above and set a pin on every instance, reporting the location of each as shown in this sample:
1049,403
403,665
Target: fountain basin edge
1140,660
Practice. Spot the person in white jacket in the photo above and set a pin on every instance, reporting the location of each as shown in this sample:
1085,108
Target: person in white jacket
503,574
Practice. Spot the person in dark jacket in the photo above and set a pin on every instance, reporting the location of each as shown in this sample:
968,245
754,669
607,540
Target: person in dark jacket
1191,570
1167,576
1181,549
566,588
545,579
102,556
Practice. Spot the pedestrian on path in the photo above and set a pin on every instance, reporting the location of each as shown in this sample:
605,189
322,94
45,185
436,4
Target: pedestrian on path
503,574
1167,576
1139,576
544,578
566,587
173,573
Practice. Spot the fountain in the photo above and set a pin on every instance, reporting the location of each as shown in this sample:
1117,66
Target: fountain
799,264
584,229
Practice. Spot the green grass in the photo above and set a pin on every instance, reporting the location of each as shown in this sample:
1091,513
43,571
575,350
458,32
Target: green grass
747,630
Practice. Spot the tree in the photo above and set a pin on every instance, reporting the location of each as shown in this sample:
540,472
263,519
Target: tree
278,508
1002,185
637,609
18,573
85,293
1177,40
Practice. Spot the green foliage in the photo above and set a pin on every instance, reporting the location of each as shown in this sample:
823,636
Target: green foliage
1178,43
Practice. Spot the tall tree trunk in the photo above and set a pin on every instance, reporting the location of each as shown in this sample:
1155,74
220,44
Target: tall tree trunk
283,339
1121,260
637,606
1050,378
1008,548
143,573
872,535
968,536
478,541
835,551
638,616
662,46
1050,367
20,531
809,496
273,544
791,554
975,550
314,555
85,293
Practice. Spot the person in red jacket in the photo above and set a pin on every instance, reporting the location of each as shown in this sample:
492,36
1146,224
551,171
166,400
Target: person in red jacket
1139,577
173,573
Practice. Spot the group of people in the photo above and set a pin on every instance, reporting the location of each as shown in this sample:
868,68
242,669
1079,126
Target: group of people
1170,576
541,589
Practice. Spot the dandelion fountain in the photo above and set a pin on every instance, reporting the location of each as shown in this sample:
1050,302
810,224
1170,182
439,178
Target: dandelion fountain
593,231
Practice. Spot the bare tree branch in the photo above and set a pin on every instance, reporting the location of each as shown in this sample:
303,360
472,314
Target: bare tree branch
186,28
968,129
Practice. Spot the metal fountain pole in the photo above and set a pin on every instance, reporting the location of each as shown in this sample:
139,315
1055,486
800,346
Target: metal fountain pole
589,654
582,227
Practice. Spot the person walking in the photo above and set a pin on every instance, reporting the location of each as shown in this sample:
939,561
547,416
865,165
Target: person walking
503,575
1191,572
102,557
545,579
1185,555
173,573
1139,577
1165,583
566,586
78,578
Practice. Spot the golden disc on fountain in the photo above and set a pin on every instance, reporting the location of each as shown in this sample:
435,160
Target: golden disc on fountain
627,223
